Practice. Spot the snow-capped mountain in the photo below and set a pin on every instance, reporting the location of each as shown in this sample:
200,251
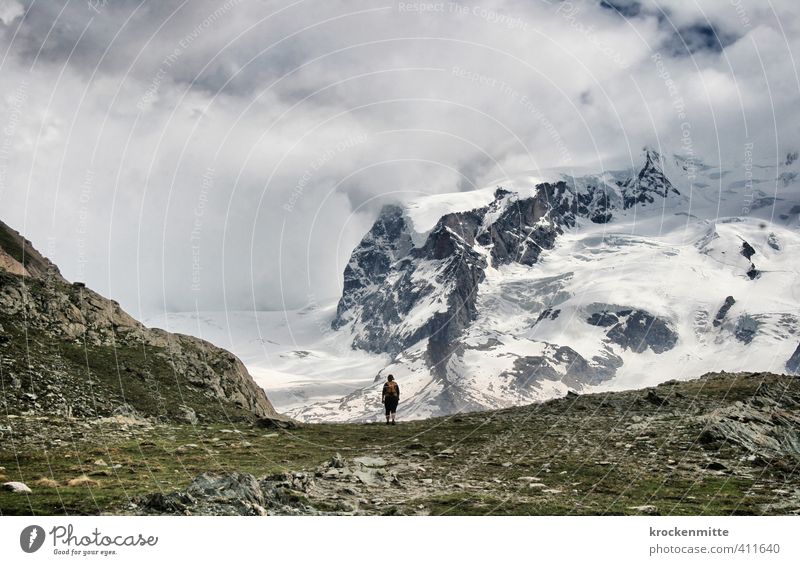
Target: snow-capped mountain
621,279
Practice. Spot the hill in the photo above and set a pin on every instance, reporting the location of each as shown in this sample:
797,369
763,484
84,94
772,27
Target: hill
719,445
68,352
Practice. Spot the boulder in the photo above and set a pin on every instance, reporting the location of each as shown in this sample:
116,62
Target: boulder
15,486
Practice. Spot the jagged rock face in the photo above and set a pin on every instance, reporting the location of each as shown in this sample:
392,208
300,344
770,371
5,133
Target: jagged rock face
397,295
387,281
570,203
496,303
18,256
523,229
639,330
578,371
723,311
379,299
793,364
82,336
765,425
386,242
648,184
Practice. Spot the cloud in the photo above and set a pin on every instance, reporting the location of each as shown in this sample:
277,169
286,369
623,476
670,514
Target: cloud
230,154
10,10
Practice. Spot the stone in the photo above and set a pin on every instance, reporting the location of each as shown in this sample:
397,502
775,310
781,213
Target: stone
15,486
337,462
187,414
756,425
368,461
647,509
653,398
124,410
366,476
239,486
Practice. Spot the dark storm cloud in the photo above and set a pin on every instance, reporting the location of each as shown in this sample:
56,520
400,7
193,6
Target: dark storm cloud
698,37
682,40
625,9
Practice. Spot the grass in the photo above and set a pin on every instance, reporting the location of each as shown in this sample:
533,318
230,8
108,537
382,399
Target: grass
158,459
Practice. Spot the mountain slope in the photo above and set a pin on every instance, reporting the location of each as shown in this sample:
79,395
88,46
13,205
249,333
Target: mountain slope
620,279
724,444
67,350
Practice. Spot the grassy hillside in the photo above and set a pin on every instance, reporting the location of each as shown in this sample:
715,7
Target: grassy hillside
722,444
66,351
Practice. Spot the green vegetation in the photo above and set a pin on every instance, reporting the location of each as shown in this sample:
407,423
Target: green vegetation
10,244
84,380
616,453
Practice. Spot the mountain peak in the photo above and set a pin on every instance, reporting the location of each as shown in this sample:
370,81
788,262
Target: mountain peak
649,183
517,292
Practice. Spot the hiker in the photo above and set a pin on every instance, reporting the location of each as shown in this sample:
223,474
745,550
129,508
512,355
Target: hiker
390,397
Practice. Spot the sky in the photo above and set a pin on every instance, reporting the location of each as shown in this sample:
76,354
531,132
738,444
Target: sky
182,155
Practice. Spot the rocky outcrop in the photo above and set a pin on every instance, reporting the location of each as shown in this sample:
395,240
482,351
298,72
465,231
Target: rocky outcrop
370,263
414,295
396,295
746,328
634,329
766,425
650,183
18,256
723,311
68,349
563,364
793,364
523,229
232,494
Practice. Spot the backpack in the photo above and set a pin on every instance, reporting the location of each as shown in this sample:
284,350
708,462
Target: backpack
392,389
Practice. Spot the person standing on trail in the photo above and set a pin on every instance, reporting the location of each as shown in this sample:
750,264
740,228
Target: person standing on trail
390,397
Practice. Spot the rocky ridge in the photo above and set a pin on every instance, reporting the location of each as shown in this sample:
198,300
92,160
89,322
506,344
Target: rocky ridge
67,350
504,296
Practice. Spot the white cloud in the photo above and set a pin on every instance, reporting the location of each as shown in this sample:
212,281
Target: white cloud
111,147
10,10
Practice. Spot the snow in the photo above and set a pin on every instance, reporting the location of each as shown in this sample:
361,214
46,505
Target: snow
422,213
294,354
677,258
